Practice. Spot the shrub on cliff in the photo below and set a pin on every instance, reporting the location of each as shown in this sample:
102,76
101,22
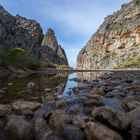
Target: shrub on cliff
133,62
18,57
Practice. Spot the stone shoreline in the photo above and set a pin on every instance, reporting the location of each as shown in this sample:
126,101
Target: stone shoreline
107,108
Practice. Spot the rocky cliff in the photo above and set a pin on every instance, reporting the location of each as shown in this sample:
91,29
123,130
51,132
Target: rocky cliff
17,31
50,50
116,43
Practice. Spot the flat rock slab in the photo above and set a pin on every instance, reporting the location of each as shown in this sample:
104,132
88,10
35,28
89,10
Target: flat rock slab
21,105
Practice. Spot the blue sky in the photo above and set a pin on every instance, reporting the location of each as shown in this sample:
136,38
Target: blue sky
74,21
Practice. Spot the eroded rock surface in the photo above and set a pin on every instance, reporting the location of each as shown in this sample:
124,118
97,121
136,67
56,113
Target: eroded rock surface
116,43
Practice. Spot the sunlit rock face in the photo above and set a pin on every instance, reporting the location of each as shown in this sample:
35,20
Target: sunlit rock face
116,41
17,31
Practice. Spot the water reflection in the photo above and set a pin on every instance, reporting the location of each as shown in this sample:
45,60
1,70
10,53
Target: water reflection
47,87
89,76
16,88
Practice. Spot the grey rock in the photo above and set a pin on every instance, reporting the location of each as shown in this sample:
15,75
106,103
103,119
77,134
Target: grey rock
59,118
136,82
112,117
135,129
51,51
71,132
4,110
115,103
40,123
115,94
18,128
2,91
133,105
98,131
31,85
134,114
22,105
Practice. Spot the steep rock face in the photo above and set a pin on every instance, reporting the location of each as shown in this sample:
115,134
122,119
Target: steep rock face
51,51
17,31
115,42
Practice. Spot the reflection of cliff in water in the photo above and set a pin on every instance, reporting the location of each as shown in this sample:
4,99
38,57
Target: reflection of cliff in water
44,85
89,76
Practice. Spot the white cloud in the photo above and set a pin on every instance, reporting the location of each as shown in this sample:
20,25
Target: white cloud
72,51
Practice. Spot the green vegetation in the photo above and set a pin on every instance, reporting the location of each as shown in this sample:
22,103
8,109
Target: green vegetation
130,63
17,57
64,67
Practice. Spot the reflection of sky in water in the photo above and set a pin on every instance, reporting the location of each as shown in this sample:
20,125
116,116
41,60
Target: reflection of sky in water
44,85
70,84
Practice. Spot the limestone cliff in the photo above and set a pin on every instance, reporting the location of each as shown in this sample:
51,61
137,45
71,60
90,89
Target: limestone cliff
17,31
117,41
51,51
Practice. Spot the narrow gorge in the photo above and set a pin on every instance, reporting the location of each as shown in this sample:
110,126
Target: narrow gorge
42,97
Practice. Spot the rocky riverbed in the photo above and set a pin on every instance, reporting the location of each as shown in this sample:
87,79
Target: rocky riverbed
106,108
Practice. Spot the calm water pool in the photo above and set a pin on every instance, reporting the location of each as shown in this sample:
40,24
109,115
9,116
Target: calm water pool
46,86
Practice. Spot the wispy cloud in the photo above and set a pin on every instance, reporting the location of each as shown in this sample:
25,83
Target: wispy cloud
74,21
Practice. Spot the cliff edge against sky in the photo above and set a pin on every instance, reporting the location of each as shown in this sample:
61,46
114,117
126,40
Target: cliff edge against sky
19,32
116,44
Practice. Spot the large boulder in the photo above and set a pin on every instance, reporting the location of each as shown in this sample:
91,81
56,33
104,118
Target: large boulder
115,103
97,131
59,118
112,117
71,132
17,128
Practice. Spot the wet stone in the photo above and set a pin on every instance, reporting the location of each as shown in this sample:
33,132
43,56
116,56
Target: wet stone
61,104
112,117
4,110
115,94
133,105
98,131
71,132
30,84
59,118
18,128
135,129
134,114
115,103
21,105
